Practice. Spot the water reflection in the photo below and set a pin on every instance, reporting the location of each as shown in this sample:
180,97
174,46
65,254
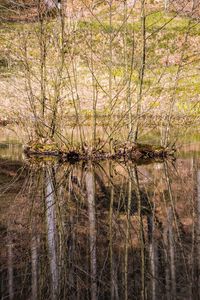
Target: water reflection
101,231
50,207
10,147
11,151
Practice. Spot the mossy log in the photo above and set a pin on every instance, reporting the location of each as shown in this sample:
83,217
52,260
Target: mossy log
126,151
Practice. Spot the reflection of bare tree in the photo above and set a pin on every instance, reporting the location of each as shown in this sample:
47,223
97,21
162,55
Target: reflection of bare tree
167,270
34,267
71,252
170,271
113,279
90,188
127,236
141,231
10,267
51,231
170,241
170,218
129,259
153,254
198,228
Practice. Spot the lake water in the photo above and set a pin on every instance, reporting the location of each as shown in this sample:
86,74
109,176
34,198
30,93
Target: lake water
112,230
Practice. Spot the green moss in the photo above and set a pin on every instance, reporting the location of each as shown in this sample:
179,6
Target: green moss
43,147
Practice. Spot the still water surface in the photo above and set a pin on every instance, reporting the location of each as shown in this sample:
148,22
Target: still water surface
111,230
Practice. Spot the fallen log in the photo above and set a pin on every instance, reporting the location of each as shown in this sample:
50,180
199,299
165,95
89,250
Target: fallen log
126,151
